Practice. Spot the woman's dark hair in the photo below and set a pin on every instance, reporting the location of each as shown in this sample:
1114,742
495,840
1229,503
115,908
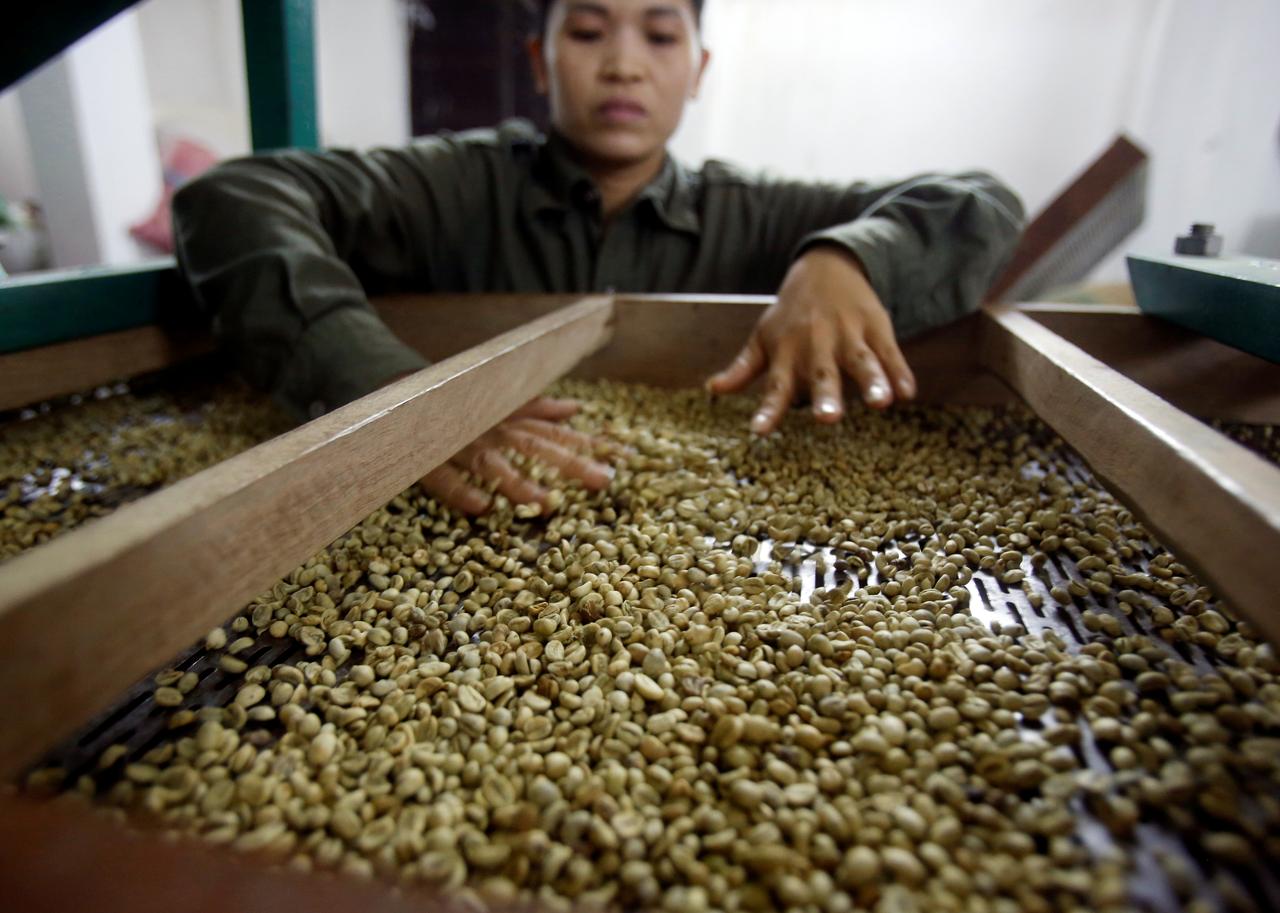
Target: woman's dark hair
543,10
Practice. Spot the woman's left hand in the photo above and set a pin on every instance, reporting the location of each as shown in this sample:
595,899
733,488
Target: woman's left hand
827,321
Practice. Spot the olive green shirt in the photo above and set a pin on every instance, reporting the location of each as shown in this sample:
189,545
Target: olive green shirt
284,249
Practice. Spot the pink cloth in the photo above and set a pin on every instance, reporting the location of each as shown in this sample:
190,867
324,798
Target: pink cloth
182,160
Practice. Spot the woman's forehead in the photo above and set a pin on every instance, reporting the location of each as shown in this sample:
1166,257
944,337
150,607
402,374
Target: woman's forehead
657,9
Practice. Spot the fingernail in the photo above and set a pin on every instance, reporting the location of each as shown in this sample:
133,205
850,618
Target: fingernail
908,386
760,422
828,407
877,393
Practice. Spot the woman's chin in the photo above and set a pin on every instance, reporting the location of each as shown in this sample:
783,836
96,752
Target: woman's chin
618,147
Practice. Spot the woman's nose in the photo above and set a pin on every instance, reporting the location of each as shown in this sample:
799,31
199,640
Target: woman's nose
624,61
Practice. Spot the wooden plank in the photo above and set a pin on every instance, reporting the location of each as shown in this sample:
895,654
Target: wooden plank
439,325
672,339
677,340
46,372
442,325
1215,503
663,340
1197,374
83,617
1082,199
55,857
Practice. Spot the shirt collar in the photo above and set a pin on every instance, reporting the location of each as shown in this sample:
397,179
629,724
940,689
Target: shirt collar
560,183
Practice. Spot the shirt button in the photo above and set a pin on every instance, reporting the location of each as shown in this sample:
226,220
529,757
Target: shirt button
585,195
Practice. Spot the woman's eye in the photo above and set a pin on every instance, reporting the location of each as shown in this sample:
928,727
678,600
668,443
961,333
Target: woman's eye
663,38
585,34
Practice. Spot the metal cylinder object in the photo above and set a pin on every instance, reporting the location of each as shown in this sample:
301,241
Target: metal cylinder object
1202,242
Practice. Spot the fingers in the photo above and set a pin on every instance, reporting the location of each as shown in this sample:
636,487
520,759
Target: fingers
590,473
885,346
542,416
448,484
534,431
742,370
780,389
826,390
861,363
872,359
489,464
569,438
548,408
561,434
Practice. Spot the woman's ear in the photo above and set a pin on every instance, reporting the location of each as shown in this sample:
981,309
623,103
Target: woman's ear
535,47
703,61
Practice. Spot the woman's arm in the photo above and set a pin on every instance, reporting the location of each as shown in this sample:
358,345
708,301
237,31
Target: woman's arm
861,267
282,251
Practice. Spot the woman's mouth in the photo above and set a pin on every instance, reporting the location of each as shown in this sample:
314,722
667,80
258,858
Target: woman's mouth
621,111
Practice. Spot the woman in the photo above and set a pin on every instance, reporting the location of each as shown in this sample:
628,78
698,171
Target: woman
284,249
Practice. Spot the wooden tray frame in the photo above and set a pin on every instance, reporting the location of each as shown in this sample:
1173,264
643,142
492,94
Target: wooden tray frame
1110,381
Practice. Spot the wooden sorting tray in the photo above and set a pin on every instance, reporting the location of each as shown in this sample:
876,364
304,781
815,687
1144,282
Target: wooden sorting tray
1110,381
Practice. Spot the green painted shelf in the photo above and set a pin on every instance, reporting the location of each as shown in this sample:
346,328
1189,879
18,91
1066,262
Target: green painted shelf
1235,300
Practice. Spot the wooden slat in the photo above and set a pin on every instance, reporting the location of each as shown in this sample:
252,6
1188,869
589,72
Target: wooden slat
663,340
1075,204
677,340
71,367
56,858
85,616
442,325
1197,374
1215,503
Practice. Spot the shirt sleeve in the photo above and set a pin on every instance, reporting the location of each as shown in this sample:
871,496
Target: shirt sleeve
282,250
931,246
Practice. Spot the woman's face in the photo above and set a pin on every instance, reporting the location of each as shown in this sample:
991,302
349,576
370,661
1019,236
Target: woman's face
618,74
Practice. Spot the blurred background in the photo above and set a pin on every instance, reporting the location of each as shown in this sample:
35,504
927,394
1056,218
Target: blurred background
92,143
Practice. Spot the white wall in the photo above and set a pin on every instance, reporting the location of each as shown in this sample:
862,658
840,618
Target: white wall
178,70
88,118
194,53
362,66
847,89
1210,111
194,56
885,88
1032,90
17,176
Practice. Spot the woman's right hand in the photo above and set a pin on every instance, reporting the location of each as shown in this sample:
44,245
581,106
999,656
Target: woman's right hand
536,430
